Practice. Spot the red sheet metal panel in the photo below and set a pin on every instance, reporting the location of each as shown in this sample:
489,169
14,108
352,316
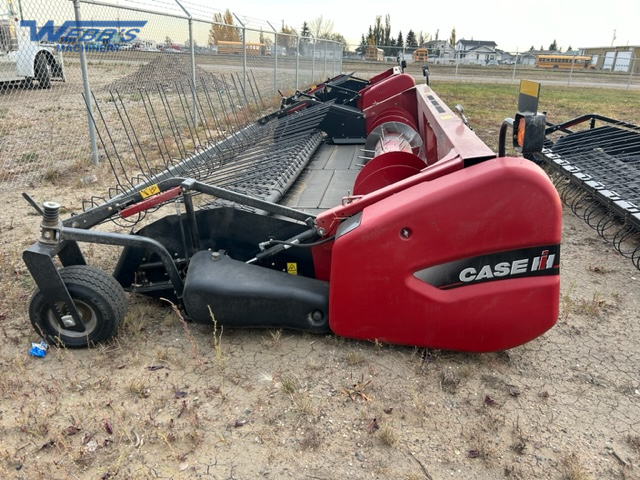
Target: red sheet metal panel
468,261
443,131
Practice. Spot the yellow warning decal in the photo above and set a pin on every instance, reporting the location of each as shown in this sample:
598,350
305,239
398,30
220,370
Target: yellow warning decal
149,191
292,268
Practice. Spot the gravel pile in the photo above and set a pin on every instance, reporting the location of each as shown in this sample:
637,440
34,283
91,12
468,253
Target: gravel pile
165,71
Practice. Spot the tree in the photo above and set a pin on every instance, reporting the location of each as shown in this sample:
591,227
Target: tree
321,28
411,41
336,37
378,33
305,39
452,37
288,39
223,29
167,40
553,46
400,40
304,31
387,40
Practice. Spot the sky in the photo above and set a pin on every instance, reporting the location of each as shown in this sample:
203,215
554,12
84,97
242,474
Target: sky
512,25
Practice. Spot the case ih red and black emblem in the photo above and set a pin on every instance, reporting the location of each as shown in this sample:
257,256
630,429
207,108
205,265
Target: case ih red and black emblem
528,262
402,226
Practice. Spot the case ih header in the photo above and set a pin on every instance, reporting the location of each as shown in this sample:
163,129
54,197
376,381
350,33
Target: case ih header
362,207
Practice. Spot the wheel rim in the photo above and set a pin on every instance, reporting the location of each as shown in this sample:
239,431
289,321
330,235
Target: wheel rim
87,316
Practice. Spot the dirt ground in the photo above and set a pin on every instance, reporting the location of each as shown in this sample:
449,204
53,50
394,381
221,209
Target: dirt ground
172,400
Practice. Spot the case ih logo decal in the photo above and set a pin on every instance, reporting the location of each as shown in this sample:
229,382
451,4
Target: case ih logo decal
526,262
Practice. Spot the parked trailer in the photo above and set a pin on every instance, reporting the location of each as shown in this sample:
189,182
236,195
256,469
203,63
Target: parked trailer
22,60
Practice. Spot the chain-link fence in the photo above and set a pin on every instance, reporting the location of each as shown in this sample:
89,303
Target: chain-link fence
74,93
611,67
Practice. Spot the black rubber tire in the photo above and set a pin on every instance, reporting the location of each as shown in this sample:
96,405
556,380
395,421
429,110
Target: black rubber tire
43,71
98,297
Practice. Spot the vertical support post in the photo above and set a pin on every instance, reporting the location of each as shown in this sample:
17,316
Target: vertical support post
632,67
335,54
313,61
87,93
513,76
297,60
244,54
275,59
193,65
325,58
573,61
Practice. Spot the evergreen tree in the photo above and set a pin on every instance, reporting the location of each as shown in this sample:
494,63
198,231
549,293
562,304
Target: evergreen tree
305,39
411,41
553,46
304,32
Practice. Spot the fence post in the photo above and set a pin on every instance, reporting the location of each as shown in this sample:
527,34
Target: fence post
87,93
633,65
297,59
244,55
193,64
573,61
313,60
244,59
513,77
333,69
324,72
275,59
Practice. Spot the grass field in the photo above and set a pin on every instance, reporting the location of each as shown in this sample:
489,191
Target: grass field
487,105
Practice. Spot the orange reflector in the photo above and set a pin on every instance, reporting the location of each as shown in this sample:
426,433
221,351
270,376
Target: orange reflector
521,128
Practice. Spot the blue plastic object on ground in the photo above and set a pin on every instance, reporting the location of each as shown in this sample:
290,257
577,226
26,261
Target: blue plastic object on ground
38,349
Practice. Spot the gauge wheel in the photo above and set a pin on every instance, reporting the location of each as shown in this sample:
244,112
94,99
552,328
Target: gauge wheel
99,299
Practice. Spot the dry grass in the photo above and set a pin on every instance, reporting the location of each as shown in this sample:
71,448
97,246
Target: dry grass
572,469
